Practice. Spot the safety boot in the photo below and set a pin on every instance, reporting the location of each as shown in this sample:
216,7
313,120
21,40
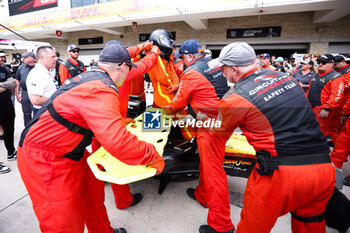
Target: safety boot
209,229
190,194
137,199
119,230
346,181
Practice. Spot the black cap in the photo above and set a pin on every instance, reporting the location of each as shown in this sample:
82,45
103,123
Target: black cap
115,53
328,58
339,58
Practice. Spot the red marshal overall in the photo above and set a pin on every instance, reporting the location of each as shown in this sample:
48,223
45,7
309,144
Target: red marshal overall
272,111
52,155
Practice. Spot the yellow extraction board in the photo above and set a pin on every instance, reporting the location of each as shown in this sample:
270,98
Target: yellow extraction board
238,144
115,171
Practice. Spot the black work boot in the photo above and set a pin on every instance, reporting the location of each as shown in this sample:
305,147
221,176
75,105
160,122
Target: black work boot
119,230
209,229
346,181
190,194
137,198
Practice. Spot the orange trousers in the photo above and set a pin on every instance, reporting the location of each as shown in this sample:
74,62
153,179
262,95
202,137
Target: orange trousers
303,190
65,193
122,195
331,125
212,190
341,149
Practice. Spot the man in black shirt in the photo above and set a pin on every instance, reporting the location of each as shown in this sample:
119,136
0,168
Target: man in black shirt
7,113
21,89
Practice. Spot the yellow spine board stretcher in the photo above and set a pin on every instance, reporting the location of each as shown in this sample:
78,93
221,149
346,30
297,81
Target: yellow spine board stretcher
118,172
240,157
238,144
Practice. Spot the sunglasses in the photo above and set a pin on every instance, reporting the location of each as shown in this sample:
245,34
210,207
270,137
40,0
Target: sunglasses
321,62
127,64
75,51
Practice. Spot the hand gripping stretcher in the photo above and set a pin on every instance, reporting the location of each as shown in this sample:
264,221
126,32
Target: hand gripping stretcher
180,156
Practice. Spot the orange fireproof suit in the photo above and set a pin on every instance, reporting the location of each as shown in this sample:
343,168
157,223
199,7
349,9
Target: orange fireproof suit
341,149
143,66
122,195
52,155
137,85
202,88
273,113
328,88
164,75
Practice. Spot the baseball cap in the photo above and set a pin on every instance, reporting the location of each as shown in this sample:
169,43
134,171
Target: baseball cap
189,47
115,53
327,58
279,59
339,58
28,54
2,54
235,54
265,55
71,47
309,62
113,42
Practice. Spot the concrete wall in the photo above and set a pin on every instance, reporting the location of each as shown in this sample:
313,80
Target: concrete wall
296,28
320,47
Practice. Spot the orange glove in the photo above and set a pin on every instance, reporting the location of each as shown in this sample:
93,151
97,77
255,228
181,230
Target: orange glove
157,163
155,50
147,46
126,121
172,88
